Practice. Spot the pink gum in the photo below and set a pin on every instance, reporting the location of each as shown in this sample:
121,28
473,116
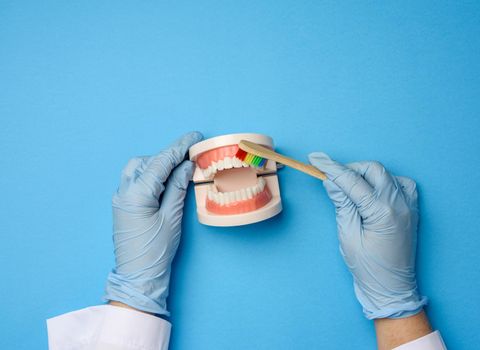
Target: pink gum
216,154
240,207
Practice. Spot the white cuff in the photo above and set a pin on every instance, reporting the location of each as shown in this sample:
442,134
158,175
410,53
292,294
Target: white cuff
432,341
108,327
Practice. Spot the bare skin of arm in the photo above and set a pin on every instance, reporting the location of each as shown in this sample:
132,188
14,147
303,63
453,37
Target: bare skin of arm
119,304
395,332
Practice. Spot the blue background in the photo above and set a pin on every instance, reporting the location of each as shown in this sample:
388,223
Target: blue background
84,86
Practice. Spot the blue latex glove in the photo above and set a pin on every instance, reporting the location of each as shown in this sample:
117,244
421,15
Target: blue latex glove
377,217
147,217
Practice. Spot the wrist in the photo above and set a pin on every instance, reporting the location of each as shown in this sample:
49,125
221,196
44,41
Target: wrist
145,296
389,304
125,306
394,332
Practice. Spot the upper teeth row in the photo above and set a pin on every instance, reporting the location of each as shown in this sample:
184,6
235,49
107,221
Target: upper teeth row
225,163
224,198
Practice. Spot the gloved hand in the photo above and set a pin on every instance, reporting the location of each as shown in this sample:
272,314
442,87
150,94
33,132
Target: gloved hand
377,216
147,217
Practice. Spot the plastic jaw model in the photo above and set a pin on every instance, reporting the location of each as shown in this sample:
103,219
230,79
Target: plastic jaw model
229,192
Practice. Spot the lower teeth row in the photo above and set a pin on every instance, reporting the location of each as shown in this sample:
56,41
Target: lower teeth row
224,198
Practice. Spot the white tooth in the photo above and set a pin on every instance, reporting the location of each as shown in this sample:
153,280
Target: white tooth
233,198
226,198
220,165
237,163
227,163
249,193
245,165
210,195
206,173
215,197
261,183
254,190
221,201
243,194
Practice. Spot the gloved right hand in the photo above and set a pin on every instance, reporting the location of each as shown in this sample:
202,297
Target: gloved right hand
377,216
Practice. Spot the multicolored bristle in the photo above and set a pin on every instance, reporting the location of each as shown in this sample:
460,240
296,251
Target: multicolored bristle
250,159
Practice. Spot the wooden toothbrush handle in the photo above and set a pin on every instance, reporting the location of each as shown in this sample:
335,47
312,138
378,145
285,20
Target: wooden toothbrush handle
265,152
306,168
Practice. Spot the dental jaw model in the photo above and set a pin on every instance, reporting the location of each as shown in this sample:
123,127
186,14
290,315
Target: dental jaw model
229,192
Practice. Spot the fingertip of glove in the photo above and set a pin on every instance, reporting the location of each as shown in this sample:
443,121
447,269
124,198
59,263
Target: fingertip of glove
187,167
330,167
190,168
186,141
182,174
329,185
321,161
195,136
315,157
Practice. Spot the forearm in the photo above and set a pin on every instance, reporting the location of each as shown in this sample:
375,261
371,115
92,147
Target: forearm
119,304
395,332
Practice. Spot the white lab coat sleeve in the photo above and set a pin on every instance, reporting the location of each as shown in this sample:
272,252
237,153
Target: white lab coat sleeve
107,327
432,341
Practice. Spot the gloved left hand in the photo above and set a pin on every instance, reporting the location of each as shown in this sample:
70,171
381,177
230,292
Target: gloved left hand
147,217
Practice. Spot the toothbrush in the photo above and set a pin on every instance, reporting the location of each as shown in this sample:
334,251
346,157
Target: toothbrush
256,155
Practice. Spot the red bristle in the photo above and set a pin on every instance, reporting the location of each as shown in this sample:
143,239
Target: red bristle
241,154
